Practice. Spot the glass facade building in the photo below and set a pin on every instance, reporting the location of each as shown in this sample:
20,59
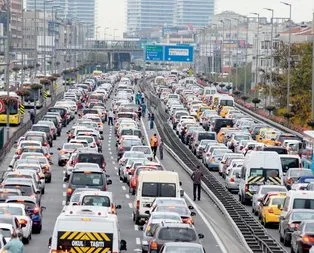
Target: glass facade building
147,14
81,10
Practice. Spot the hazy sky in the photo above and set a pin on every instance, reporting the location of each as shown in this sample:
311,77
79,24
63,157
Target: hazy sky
111,13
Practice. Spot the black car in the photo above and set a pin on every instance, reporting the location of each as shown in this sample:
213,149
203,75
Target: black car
63,114
91,157
221,122
54,119
87,178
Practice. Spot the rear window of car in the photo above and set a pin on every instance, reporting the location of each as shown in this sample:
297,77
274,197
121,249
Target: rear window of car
87,179
91,158
177,234
25,189
96,201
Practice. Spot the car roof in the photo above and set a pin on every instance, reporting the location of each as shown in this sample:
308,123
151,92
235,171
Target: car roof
93,169
25,198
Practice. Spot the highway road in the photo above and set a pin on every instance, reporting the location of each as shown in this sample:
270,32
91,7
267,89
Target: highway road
219,236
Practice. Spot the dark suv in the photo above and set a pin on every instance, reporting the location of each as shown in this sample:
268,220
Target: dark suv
87,178
91,157
172,232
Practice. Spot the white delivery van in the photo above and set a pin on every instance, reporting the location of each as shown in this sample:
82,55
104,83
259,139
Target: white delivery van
259,168
78,229
297,200
153,184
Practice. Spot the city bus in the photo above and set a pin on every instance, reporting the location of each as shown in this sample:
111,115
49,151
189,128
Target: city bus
13,107
34,96
308,146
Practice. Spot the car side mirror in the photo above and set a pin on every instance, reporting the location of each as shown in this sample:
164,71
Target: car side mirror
279,206
238,175
147,212
51,153
109,182
49,242
200,236
123,245
59,149
148,205
181,193
118,206
193,214
190,207
38,192
180,183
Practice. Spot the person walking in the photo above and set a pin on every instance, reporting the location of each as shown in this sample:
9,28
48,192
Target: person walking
14,245
154,144
197,179
152,118
142,97
110,117
161,149
139,112
32,116
143,110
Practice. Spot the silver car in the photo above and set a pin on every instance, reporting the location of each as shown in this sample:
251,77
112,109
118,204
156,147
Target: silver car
231,181
262,190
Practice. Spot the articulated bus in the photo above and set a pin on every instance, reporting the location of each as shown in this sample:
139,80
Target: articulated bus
34,97
13,107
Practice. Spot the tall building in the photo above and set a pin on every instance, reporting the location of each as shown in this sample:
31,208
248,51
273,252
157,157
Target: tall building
149,14
197,13
81,10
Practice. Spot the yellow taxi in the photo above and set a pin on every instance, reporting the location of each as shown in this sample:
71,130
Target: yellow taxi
225,110
268,136
222,132
201,110
271,207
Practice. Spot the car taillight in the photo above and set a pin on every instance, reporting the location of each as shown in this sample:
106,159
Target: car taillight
153,245
138,204
270,210
113,209
307,239
121,148
93,145
231,180
46,144
290,180
69,191
105,188
104,165
133,183
188,220
246,187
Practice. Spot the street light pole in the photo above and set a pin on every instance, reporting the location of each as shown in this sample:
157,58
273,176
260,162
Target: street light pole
229,53
222,47
289,57
257,53
237,54
22,50
36,37
246,46
271,54
7,63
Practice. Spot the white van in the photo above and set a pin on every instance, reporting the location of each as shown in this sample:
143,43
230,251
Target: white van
152,184
209,91
297,200
290,161
259,168
77,228
226,100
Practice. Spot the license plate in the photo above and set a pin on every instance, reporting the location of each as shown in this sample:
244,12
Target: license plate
253,188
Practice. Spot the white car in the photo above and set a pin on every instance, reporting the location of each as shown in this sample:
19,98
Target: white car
6,230
18,210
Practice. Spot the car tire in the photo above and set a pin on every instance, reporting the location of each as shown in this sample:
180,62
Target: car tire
60,163
280,236
43,191
285,241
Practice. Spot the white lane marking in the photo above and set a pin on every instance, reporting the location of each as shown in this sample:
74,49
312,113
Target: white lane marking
138,241
136,227
207,223
118,175
109,141
127,196
130,205
64,194
123,188
64,186
109,148
63,172
111,157
113,163
115,168
110,152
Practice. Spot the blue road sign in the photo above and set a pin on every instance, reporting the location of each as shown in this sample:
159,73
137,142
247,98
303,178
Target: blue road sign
178,53
154,52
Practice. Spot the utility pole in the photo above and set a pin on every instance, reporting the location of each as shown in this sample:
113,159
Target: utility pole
222,48
246,45
7,62
289,57
229,53
271,54
237,54
257,54
36,37
22,50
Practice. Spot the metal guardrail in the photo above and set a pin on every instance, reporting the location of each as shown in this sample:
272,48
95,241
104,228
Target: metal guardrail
253,232
25,127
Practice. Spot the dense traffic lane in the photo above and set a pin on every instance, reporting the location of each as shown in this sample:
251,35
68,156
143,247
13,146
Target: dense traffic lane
219,236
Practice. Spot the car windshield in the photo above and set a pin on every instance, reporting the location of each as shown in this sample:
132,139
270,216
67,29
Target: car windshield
183,249
96,201
145,150
177,234
131,142
88,179
207,136
272,189
13,210
168,216
88,139
277,201
298,216
181,210
25,189
300,173
69,146
91,158
159,190
264,172
309,227
40,129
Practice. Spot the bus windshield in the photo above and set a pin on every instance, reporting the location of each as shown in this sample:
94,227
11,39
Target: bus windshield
32,96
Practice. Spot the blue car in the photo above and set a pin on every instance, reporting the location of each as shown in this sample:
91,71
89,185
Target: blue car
32,208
